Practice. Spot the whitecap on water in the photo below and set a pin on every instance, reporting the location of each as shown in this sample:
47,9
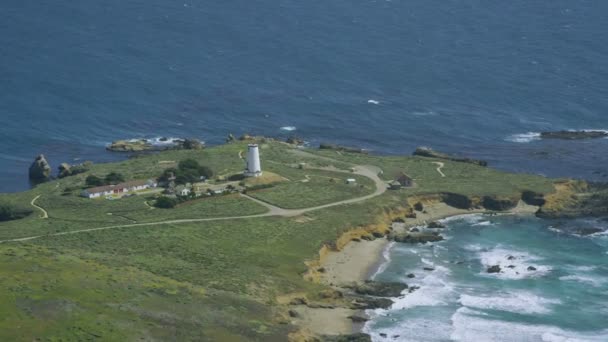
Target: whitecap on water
288,128
483,223
374,102
473,325
585,279
524,137
516,301
513,264
435,289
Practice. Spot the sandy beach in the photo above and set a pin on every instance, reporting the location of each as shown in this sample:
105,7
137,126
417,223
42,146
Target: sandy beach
359,260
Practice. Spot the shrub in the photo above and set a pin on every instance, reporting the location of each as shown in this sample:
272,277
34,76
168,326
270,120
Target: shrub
10,212
165,202
205,171
114,178
188,171
93,180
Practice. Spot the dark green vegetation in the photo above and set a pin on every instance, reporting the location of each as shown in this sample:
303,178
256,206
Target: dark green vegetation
187,171
213,280
165,202
110,178
10,212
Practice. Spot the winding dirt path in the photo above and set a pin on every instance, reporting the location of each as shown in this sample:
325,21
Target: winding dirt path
440,166
45,214
364,170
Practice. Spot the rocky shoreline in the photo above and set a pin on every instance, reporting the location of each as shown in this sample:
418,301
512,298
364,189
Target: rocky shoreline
161,144
349,266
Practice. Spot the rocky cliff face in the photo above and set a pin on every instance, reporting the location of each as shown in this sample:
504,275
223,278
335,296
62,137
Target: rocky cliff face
40,170
575,198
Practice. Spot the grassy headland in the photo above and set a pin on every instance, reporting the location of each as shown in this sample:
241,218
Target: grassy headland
166,274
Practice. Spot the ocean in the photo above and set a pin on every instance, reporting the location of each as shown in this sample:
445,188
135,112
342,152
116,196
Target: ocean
479,78
562,298
472,77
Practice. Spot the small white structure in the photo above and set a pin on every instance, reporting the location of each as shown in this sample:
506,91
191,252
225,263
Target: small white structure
254,167
119,189
351,181
183,191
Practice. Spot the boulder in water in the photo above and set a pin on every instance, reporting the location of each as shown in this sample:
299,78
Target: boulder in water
494,269
40,170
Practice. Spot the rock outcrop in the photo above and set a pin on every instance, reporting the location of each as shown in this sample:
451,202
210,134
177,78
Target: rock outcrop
379,289
533,198
416,237
499,203
357,337
574,135
40,170
430,153
142,145
574,198
325,146
295,141
494,269
66,170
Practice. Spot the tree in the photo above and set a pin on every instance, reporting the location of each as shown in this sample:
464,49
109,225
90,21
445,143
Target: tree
205,171
188,164
165,202
93,180
187,176
114,178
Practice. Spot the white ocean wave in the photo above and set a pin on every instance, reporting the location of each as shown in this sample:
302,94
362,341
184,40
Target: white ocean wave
386,257
513,264
288,128
516,301
415,329
469,218
585,279
435,289
374,102
472,325
484,223
524,137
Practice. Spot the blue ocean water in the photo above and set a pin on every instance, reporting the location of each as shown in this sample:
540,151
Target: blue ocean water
563,297
469,76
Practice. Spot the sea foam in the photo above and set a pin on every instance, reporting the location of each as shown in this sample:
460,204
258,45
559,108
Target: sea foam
473,325
524,137
520,261
288,128
516,301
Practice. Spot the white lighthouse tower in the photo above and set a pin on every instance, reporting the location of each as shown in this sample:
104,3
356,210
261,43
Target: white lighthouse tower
254,167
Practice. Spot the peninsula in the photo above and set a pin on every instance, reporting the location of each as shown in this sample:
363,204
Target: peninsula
210,255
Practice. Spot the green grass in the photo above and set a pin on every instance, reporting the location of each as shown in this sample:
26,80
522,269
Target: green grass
318,189
215,281
461,178
54,296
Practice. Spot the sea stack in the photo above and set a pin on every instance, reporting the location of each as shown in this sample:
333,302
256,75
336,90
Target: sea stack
40,170
254,167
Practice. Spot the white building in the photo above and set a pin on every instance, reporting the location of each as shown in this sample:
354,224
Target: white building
254,167
119,189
